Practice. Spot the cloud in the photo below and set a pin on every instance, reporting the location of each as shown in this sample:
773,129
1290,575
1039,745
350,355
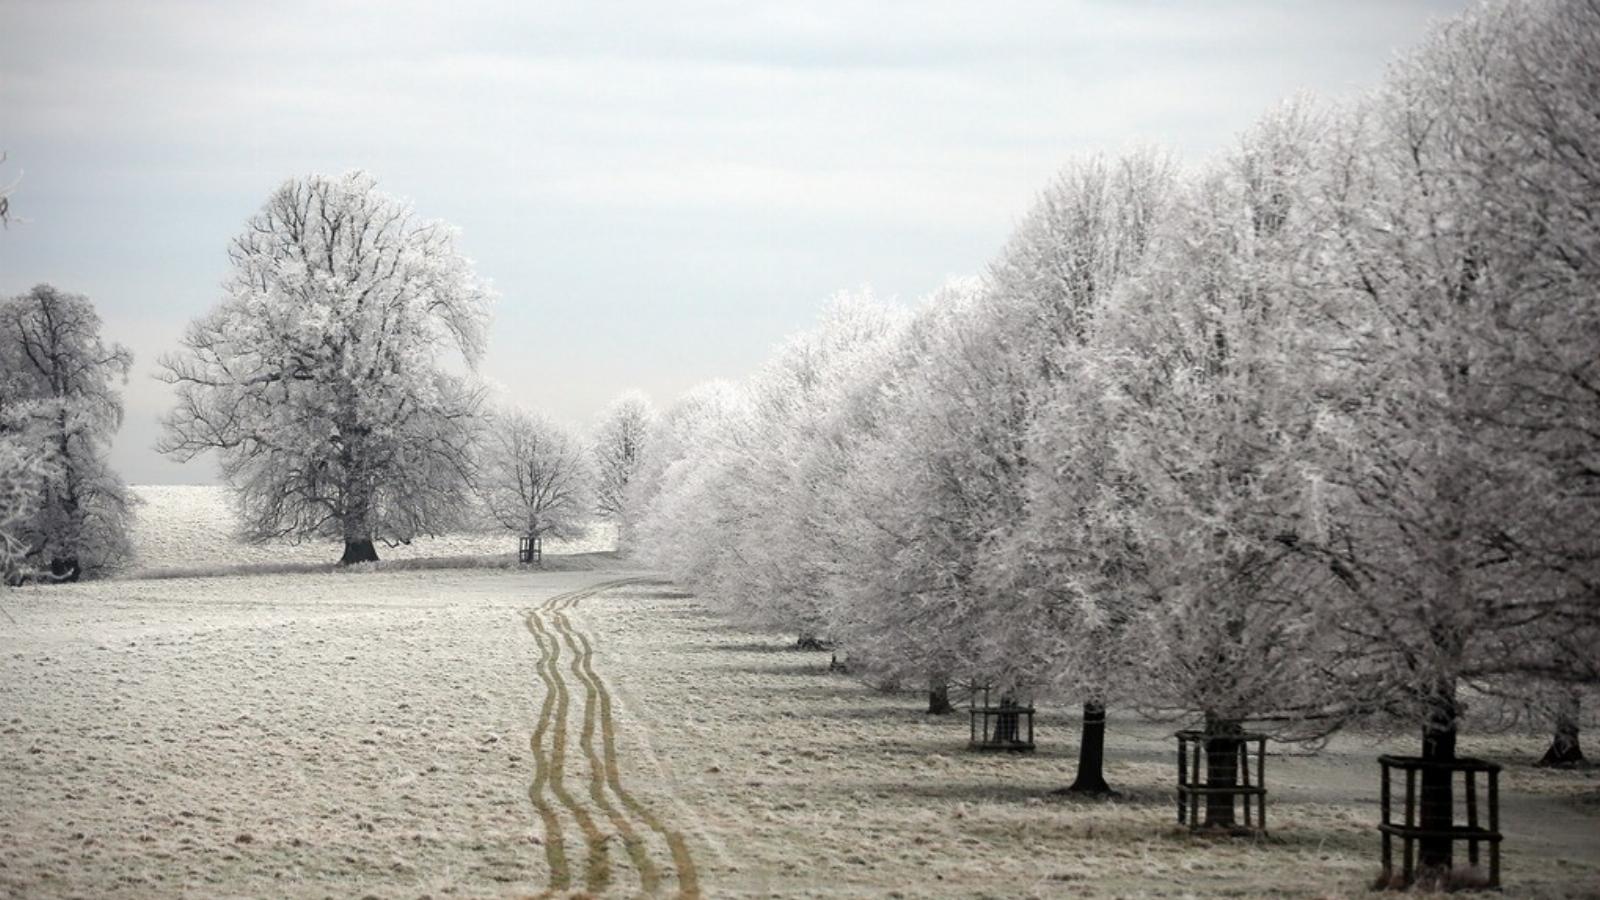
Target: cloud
708,171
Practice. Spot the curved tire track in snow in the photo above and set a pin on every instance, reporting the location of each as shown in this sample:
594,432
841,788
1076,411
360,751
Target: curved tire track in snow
551,770
604,770
554,848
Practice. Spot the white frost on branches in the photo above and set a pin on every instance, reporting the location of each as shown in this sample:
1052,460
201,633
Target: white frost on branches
320,380
534,477
58,413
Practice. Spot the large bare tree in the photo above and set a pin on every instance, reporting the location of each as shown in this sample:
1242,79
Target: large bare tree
320,379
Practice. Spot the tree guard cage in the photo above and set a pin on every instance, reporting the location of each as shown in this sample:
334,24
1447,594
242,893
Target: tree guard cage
1411,832
1004,725
1202,758
530,549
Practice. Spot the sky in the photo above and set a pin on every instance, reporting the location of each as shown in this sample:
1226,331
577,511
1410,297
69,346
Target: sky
659,193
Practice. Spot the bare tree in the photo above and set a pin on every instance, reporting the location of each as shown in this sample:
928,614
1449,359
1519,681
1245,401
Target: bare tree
319,380
535,477
58,405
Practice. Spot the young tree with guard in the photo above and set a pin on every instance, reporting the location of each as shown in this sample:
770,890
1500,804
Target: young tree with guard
534,478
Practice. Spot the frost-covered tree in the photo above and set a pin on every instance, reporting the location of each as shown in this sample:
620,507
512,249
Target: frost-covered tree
1461,427
788,538
322,379
1088,233
683,492
534,477
59,406
735,508
1206,407
21,474
895,601
620,443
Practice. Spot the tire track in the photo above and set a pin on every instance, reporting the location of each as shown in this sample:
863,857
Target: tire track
597,864
649,880
683,863
555,853
604,769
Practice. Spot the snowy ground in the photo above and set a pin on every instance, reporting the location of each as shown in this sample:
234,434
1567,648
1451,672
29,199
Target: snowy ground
309,735
807,783
194,528
399,734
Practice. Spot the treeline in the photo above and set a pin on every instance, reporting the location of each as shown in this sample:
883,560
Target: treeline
1305,436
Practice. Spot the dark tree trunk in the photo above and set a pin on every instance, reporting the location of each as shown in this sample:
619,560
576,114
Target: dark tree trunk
1092,754
1007,725
64,569
1437,800
939,697
358,551
1222,770
357,521
1564,748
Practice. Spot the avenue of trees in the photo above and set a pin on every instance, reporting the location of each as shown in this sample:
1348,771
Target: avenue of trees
1306,436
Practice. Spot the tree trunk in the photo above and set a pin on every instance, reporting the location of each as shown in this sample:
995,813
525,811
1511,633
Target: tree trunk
64,569
1564,748
1007,725
1437,810
1092,754
939,697
357,521
1222,769
358,550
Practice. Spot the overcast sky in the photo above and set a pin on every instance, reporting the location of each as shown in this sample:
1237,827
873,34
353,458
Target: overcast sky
659,192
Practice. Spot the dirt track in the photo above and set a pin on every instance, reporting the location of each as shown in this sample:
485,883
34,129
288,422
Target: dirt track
629,819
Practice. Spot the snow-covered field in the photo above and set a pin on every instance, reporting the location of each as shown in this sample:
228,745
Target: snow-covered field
194,527
311,735
492,733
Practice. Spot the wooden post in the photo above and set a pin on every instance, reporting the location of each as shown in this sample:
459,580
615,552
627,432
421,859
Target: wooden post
1411,822
1494,826
1472,815
1194,796
1388,848
1242,764
1183,777
1261,779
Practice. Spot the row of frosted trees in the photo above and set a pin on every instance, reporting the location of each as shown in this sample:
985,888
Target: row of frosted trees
1306,436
